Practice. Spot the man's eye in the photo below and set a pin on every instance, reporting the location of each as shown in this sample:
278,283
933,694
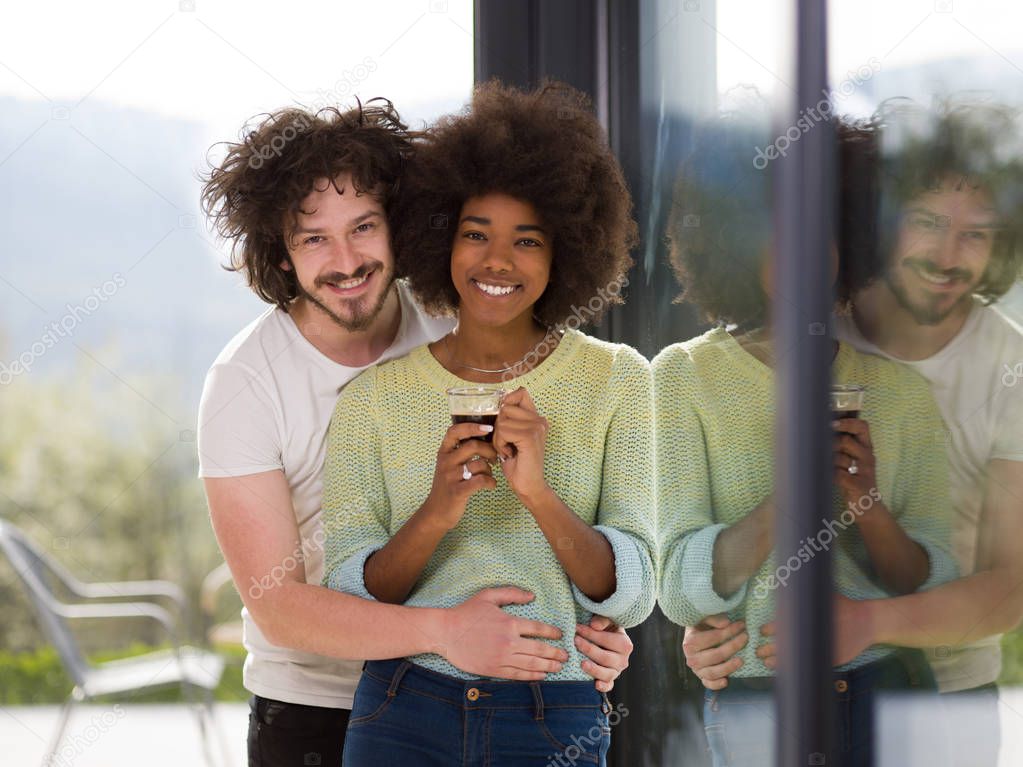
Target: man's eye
365,227
924,222
977,235
312,240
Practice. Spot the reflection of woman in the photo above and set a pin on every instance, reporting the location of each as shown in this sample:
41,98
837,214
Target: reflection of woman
714,399
514,214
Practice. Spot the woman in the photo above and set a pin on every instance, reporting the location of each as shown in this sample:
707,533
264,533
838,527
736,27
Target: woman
513,215
714,400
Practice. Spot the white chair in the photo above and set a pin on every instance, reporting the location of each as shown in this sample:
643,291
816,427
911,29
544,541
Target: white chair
196,672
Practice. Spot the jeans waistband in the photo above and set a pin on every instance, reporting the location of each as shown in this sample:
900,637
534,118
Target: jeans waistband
912,661
484,693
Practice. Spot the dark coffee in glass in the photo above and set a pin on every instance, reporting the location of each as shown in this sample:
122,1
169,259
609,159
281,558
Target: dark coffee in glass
476,404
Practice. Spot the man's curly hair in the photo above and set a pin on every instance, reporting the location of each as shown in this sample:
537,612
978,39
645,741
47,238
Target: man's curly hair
975,143
544,147
253,196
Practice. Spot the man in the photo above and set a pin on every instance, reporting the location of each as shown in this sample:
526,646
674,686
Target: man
954,248
305,198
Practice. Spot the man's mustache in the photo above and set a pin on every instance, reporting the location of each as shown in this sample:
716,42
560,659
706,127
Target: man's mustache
358,274
955,273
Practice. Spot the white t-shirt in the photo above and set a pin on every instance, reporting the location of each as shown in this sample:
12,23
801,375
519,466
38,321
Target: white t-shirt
983,415
266,405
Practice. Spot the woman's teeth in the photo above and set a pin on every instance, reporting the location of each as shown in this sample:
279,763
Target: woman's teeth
495,290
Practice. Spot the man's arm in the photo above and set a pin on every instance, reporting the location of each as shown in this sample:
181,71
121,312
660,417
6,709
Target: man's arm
986,603
255,526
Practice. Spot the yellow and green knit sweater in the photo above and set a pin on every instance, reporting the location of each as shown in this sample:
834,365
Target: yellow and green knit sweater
715,461
381,454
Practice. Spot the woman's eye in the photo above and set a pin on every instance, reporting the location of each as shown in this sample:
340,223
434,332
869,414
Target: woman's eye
474,236
531,243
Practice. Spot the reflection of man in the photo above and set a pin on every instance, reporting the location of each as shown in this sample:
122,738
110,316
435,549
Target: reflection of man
954,248
310,231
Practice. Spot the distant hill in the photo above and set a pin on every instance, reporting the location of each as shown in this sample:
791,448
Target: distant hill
108,192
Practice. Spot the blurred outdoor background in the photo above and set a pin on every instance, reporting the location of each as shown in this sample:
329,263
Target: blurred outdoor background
113,302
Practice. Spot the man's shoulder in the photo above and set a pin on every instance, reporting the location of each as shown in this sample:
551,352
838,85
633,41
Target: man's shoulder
252,343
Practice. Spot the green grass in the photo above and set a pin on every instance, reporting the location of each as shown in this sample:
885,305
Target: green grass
37,677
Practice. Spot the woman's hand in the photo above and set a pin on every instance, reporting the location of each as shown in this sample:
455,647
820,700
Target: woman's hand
520,438
854,450
463,469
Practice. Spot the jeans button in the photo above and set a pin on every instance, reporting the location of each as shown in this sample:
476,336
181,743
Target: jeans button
473,694
841,685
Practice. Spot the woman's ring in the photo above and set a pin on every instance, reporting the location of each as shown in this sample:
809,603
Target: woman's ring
466,474
853,468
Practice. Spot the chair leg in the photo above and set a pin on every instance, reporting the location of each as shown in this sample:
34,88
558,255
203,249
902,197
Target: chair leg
201,719
225,752
65,716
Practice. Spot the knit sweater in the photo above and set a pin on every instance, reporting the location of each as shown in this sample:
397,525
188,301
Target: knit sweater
381,455
714,444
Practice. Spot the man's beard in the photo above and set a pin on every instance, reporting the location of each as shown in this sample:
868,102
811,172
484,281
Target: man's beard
929,313
360,319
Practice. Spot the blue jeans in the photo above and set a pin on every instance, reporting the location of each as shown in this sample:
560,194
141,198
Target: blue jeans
405,715
740,719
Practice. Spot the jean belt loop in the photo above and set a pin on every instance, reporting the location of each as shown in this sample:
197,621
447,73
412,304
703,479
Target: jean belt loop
537,701
399,674
605,703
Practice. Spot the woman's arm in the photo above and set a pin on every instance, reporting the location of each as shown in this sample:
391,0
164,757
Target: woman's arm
916,523
585,555
900,562
704,566
393,570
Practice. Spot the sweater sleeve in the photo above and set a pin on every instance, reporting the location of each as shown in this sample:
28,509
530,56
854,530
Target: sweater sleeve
356,509
626,515
921,501
686,525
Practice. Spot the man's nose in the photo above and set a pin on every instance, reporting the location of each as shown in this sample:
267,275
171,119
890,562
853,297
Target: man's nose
344,258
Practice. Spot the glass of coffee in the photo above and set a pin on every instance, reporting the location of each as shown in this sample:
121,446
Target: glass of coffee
476,404
846,400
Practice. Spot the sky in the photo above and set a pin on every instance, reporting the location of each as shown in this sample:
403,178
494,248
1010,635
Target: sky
222,61
753,46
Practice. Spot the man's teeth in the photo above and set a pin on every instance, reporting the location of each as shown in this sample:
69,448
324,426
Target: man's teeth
495,290
937,279
349,284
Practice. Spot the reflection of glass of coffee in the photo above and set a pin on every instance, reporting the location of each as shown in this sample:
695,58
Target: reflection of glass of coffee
476,404
846,400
